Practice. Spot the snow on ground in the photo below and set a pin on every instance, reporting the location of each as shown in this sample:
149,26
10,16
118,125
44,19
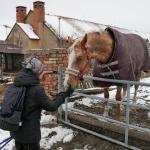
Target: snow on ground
87,102
69,105
47,119
4,135
86,147
49,138
7,79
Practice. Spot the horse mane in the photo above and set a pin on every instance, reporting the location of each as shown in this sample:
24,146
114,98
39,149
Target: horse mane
78,39
83,39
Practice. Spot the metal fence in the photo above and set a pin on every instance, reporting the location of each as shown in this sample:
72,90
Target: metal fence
125,124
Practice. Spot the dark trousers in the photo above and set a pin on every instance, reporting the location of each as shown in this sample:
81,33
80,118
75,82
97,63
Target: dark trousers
27,146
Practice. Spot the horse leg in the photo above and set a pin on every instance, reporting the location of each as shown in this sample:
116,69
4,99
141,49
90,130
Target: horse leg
123,96
119,98
106,107
138,76
135,93
124,92
134,97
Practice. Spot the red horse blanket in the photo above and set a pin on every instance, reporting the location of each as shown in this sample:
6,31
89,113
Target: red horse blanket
130,57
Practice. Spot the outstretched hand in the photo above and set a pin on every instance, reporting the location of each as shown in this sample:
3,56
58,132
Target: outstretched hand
69,90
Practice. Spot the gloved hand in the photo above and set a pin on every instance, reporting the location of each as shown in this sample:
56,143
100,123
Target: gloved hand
69,91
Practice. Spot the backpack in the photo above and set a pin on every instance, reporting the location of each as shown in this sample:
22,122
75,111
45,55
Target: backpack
12,107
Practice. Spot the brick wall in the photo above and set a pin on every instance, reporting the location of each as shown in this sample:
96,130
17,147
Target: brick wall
51,59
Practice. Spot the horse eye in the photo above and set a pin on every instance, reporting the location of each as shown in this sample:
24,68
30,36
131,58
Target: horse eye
88,48
79,58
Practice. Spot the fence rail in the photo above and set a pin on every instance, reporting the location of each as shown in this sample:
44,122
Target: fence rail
126,125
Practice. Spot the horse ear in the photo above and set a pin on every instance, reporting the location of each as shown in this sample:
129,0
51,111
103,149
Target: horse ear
70,40
84,40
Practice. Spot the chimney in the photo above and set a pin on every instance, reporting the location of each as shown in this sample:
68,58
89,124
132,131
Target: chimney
39,15
20,14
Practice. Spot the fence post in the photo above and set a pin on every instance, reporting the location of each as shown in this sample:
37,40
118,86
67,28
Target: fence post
60,87
127,114
66,109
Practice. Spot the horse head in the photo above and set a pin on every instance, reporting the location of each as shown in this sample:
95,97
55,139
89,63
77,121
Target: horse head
78,62
94,45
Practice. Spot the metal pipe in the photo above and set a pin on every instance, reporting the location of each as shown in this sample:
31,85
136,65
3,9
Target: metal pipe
66,109
60,88
117,81
127,115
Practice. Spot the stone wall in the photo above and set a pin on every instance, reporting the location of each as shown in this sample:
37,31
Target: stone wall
51,59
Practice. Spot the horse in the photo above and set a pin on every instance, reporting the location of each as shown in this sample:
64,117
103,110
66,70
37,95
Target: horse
117,56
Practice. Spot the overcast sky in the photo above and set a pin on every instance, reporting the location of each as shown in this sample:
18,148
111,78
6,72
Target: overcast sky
131,14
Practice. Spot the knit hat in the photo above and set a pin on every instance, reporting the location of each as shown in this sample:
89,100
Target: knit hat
34,64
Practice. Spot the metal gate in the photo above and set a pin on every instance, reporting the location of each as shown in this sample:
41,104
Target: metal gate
127,104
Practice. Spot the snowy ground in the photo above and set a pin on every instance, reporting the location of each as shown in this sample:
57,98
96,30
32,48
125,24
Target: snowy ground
59,133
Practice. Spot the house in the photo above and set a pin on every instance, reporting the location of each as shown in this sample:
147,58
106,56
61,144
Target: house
37,30
29,32
8,54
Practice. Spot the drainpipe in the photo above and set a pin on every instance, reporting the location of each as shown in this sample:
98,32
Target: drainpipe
2,66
